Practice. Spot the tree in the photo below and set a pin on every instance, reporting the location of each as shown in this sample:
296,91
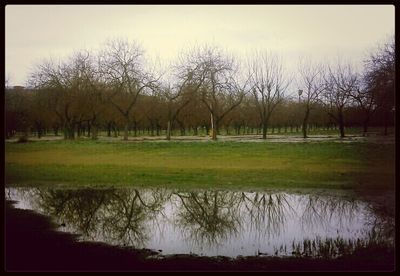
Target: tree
178,96
366,100
380,79
268,82
122,69
312,84
340,82
17,111
220,90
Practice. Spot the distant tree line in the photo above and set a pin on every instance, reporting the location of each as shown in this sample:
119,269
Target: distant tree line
117,91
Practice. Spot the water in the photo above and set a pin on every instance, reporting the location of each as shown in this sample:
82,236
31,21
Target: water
210,223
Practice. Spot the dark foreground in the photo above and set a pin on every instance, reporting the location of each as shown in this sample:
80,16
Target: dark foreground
32,244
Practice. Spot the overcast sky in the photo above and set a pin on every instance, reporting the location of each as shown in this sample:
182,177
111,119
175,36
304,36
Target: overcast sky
34,33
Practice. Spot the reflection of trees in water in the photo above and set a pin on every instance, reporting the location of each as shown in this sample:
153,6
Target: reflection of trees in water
267,213
323,211
23,195
383,223
130,216
117,216
208,217
336,247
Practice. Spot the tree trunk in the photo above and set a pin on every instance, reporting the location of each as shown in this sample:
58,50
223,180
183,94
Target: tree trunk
365,126
39,130
305,123
78,130
94,132
341,124
151,130
264,130
157,129
109,129
214,128
168,136
88,128
386,123
69,131
126,128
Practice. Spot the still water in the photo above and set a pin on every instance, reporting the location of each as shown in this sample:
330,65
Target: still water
210,223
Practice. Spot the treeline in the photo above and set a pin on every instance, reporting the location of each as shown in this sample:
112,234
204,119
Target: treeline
116,91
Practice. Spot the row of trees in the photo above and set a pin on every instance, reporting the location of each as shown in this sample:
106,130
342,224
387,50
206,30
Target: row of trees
116,89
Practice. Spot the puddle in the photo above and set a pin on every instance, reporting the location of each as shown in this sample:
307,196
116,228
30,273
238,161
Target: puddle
212,223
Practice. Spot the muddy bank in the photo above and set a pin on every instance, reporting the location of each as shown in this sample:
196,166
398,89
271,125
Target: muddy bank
32,244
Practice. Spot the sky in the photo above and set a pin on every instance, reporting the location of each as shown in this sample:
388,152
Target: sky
319,32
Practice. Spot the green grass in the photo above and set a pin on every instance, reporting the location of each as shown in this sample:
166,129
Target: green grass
233,165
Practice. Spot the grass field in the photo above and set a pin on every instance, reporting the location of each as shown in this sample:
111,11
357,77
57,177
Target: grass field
236,165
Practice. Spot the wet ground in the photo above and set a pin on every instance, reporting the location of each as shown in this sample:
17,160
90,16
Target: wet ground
371,138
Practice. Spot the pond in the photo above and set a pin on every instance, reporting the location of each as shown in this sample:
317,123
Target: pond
212,223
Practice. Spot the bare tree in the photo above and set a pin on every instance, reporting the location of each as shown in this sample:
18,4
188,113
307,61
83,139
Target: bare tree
179,95
312,84
340,82
380,78
268,82
66,85
220,90
122,67
366,100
